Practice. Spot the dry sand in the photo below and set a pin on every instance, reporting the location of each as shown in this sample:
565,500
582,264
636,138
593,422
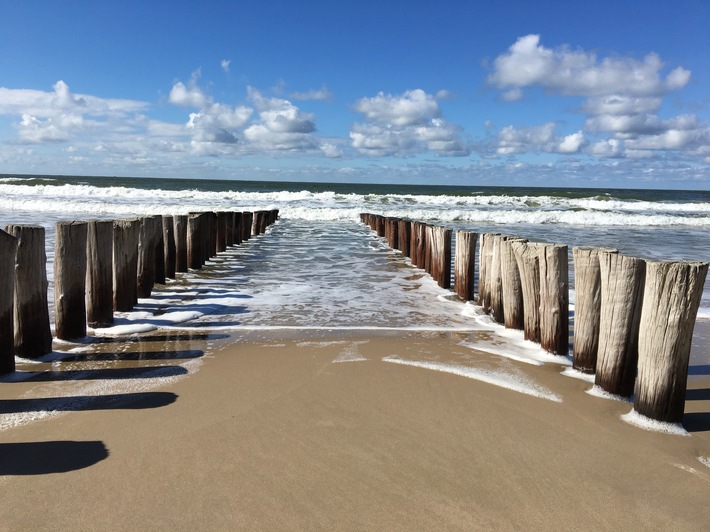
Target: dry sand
275,434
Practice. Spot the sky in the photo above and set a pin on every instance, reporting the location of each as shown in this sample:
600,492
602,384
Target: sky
544,93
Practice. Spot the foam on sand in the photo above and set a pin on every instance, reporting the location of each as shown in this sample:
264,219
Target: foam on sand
646,423
496,378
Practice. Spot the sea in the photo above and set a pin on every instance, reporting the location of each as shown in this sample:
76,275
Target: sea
319,271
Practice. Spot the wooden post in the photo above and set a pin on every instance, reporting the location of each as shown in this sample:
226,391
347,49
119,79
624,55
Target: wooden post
99,273
587,306
622,282
554,298
672,295
194,242
238,231
125,264
247,221
169,249
428,232
380,225
511,286
494,280
8,253
147,245
403,236
70,280
221,231
441,256
485,259
211,218
527,257
465,264
180,228
159,251
229,231
33,334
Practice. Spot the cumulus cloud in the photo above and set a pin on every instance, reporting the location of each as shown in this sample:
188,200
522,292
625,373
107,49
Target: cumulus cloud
214,122
414,107
512,140
405,124
281,125
224,63
577,72
623,96
60,115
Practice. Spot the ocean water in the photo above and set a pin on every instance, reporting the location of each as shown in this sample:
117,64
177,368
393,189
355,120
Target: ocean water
320,268
318,271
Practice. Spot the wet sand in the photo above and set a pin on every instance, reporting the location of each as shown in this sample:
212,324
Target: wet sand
322,433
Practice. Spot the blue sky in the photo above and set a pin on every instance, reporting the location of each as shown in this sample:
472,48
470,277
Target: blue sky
608,94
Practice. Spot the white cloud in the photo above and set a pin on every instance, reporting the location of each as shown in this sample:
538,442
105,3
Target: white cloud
185,96
414,107
577,72
405,124
623,98
224,63
512,140
571,143
281,125
61,115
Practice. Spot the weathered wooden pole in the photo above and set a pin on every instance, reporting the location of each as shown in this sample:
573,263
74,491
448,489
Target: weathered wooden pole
380,225
587,306
195,245
622,286
159,251
8,253
404,236
417,244
441,256
125,264
494,281
237,228
511,286
70,280
247,221
672,295
485,260
527,257
33,334
229,230
211,220
221,231
465,264
169,249
428,237
99,273
554,298
180,228
147,245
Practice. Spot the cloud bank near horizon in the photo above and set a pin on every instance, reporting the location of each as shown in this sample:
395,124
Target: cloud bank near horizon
619,102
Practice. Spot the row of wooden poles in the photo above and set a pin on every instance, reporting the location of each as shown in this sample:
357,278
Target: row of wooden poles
101,266
633,318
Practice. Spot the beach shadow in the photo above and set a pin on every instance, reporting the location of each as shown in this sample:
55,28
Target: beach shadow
698,395
180,337
78,403
43,458
697,421
150,372
702,369
138,355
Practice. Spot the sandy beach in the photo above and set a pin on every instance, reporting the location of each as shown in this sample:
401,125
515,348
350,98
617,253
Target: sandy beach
326,431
